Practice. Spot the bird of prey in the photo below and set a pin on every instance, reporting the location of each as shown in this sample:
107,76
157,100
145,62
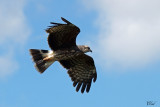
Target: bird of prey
62,41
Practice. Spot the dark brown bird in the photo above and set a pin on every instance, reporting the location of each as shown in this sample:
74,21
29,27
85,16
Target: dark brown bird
62,41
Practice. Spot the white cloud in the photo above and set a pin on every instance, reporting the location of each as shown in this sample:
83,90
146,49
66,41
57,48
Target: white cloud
129,33
13,32
13,23
7,65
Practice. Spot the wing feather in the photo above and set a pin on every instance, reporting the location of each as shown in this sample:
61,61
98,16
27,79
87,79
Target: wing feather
62,36
82,70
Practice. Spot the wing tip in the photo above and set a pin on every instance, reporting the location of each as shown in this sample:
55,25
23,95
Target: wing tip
65,20
95,77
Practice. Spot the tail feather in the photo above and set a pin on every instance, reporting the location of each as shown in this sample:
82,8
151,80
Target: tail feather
39,57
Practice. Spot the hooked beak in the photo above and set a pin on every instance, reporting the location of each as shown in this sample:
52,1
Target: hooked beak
90,50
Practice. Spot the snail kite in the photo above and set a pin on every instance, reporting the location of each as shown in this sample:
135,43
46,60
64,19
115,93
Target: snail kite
62,41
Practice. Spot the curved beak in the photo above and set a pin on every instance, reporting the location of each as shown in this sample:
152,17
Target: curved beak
90,50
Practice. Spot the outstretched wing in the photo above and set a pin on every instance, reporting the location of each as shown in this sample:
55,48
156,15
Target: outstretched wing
82,70
62,36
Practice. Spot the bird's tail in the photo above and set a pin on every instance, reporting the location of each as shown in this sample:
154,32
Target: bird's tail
42,59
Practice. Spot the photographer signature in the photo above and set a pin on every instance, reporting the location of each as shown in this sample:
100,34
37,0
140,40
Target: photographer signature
151,103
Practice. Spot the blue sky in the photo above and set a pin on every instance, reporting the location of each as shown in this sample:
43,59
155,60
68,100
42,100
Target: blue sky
124,37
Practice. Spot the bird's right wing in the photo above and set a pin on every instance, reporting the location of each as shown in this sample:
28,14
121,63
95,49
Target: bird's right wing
82,70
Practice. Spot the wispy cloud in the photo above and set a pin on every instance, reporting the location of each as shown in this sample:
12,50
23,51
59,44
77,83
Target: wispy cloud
7,65
13,32
129,31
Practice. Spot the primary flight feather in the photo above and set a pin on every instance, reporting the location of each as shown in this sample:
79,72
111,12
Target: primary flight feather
62,41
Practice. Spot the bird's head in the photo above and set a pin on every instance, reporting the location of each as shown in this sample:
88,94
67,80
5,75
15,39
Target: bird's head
84,48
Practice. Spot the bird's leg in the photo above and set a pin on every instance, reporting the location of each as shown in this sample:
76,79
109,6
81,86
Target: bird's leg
48,58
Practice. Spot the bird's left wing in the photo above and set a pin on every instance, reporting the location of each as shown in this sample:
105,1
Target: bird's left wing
62,36
82,70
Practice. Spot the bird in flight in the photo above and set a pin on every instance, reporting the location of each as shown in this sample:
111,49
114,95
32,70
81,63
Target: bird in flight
62,41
